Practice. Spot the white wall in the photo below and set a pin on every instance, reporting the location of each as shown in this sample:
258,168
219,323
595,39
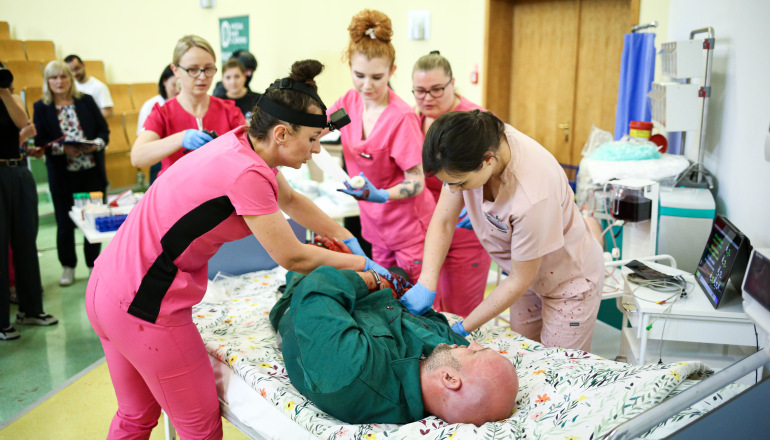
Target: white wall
739,108
135,39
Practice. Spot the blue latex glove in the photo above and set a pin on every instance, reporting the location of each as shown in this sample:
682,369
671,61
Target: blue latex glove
377,268
418,299
194,139
458,328
464,220
368,192
354,246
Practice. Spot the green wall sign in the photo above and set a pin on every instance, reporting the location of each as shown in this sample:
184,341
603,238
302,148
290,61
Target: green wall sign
233,35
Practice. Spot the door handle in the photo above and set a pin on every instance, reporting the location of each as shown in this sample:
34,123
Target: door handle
565,126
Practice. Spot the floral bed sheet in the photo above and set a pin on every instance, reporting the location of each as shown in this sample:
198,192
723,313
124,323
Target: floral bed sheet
564,394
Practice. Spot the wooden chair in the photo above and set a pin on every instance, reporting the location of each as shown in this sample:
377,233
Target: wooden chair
40,50
95,68
26,73
120,173
31,96
118,140
130,120
12,50
5,30
120,98
141,92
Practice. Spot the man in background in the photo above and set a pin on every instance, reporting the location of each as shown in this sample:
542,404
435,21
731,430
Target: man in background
88,84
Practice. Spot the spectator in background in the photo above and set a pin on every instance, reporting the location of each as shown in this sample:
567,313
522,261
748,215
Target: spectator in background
167,89
249,62
18,215
88,84
234,79
70,121
188,121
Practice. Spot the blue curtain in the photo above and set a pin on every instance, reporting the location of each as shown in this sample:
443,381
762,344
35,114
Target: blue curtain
637,70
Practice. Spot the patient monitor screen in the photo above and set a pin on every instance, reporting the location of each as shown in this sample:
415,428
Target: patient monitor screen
723,256
757,282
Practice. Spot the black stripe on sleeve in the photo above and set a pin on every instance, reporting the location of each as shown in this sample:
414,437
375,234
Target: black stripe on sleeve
158,279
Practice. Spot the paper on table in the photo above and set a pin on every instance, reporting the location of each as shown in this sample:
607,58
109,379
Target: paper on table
329,166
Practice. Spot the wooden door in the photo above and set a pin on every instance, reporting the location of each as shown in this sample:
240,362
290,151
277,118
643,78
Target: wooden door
552,67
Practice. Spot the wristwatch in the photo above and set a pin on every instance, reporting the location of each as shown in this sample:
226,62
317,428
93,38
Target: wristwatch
376,278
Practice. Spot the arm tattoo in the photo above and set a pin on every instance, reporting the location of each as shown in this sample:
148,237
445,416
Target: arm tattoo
410,188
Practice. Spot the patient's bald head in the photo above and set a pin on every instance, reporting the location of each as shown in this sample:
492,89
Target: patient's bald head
468,384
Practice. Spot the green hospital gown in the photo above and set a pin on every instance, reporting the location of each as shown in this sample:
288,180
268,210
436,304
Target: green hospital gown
355,355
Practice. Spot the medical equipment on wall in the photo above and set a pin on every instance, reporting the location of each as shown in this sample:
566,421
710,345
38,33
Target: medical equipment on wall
684,224
635,202
675,104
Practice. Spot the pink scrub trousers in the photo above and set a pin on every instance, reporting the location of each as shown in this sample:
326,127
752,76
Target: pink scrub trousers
566,317
408,258
152,367
463,275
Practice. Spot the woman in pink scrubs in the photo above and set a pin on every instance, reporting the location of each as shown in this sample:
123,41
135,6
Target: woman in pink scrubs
140,295
524,213
384,144
463,276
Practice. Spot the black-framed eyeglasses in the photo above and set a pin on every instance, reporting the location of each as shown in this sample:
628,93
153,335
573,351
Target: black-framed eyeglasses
436,92
195,72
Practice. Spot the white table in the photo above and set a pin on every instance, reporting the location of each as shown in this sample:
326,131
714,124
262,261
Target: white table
718,337
90,232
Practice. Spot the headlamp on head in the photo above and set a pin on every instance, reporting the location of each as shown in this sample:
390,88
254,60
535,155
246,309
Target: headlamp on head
337,120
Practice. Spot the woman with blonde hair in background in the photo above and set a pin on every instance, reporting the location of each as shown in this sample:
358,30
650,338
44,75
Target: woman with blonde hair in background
189,120
71,127
383,144
463,275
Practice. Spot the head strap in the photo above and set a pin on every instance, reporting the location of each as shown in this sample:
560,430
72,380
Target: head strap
289,115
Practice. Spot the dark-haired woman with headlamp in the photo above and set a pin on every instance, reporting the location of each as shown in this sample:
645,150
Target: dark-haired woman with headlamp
143,287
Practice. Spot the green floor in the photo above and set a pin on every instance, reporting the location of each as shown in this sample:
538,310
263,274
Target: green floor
46,357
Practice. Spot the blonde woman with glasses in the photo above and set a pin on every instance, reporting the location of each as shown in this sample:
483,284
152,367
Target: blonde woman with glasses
191,119
463,276
71,128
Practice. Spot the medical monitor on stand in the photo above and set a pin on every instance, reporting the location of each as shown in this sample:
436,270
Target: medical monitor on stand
756,289
724,259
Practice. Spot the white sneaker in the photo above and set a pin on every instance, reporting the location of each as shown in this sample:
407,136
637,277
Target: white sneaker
67,276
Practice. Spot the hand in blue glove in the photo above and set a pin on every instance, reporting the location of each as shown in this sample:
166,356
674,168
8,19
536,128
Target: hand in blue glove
194,139
368,192
354,246
418,299
458,328
377,268
464,220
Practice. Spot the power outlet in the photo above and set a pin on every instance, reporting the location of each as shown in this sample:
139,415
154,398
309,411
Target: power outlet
419,25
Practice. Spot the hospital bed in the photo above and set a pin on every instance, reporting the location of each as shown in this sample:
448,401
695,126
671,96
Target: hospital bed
563,393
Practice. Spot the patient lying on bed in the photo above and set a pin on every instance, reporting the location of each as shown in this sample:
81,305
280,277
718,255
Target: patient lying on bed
359,355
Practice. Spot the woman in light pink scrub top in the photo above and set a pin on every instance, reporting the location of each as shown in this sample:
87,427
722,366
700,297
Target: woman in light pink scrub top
463,276
384,144
523,211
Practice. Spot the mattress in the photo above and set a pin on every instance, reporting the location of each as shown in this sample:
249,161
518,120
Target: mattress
563,393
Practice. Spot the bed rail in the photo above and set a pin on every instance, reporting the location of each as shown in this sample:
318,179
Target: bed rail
647,420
